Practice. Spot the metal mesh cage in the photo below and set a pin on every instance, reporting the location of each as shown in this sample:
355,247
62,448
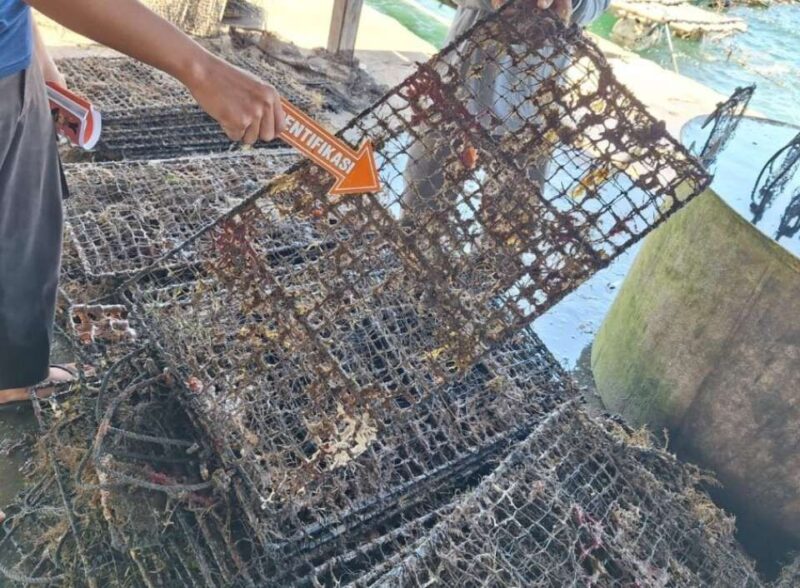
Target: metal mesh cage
154,500
132,492
325,376
122,217
143,499
335,369
572,506
505,225
776,177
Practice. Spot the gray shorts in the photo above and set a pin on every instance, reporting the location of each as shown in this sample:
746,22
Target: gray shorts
31,190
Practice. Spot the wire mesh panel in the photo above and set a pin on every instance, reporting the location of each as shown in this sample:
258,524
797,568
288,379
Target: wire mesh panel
119,84
572,506
121,217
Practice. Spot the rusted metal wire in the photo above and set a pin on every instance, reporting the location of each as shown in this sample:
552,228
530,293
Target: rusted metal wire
149,115
724,121
123,216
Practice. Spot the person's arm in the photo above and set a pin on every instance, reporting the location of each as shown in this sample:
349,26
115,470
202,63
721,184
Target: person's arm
45,60
245,107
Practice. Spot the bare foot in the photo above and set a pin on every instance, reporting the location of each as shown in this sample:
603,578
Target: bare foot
58,375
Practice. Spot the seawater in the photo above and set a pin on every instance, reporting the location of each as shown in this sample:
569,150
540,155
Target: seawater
768,54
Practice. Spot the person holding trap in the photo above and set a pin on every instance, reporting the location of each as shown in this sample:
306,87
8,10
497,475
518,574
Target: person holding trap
499,98
31,182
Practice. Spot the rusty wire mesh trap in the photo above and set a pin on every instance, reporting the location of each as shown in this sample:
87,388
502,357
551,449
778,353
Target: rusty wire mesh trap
144,499
326,383
489,213
123,216
572,506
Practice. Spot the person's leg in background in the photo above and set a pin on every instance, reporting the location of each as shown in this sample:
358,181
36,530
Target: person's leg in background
31,191
424,173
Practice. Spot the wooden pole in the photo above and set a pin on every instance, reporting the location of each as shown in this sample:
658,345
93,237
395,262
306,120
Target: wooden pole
344,26
668,32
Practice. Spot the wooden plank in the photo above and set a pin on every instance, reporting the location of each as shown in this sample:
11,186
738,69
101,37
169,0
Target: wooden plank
344,26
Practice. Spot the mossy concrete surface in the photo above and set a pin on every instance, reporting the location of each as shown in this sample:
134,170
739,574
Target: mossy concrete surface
704,341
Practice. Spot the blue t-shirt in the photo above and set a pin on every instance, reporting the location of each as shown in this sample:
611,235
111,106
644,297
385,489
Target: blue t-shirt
16,37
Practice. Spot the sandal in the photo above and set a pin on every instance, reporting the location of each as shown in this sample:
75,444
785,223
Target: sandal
48,387
70,369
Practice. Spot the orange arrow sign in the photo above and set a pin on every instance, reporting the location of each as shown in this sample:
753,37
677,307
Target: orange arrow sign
355,172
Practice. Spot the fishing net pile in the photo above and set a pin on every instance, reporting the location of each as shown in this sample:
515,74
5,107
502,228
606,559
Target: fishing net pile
345,390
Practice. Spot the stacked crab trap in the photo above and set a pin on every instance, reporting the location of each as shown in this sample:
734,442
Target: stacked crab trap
317,390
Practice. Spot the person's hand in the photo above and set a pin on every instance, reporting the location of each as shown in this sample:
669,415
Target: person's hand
47,65
563,8
246,108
